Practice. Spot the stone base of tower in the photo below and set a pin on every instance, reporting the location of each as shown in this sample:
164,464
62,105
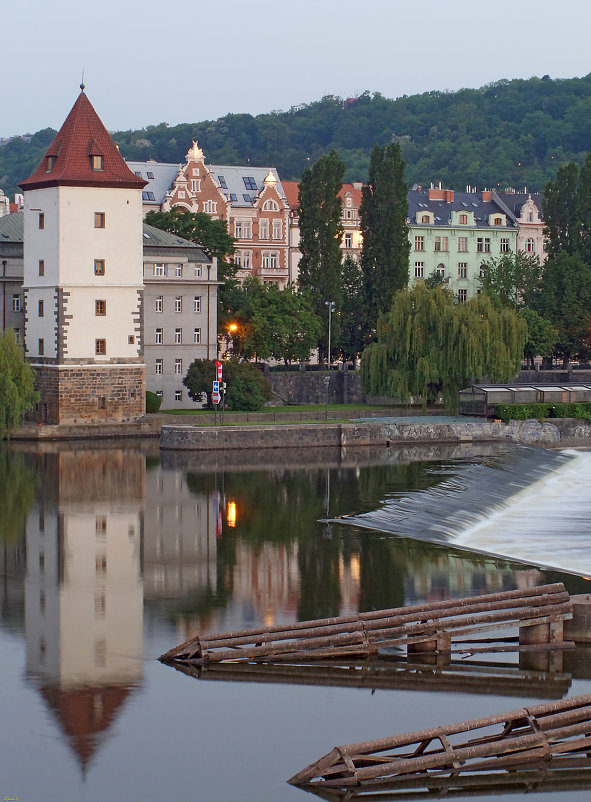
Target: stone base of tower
89,394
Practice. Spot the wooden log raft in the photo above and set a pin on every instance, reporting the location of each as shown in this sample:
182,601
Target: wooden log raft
549,735
537,612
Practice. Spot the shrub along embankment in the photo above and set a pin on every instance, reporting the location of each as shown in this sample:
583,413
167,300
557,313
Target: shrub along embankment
541,412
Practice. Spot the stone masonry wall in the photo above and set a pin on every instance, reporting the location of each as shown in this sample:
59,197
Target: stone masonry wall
101,394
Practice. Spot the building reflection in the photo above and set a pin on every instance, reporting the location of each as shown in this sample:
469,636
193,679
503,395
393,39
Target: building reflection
83,589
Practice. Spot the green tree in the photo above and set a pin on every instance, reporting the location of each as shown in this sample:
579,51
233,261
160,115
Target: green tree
541,336
384,227
565,300
321,232
247,389
17,384
559,206
514,278
428,346
215,240
352,315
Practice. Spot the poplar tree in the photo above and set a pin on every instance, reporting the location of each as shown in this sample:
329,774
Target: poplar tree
427,346
321,232
384,227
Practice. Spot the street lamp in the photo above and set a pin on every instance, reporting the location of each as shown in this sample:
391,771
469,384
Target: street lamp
331,307
232,329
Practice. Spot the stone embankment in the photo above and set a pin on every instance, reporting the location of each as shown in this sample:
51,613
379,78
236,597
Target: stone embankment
369,433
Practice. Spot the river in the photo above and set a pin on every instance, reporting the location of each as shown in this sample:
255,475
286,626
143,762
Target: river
112,554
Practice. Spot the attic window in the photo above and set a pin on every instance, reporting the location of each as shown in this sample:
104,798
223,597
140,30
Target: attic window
150,175
249,182
97,164
50,163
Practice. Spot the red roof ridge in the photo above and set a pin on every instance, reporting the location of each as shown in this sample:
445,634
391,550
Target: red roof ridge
68,160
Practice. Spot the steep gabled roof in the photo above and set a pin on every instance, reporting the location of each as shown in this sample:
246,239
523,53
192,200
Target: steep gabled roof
68,161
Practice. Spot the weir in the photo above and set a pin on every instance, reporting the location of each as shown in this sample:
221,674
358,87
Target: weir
511,505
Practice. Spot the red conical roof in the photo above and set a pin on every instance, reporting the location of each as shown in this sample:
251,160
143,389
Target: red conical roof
68,161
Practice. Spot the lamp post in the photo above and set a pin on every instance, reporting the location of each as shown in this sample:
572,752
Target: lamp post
331,307
232,329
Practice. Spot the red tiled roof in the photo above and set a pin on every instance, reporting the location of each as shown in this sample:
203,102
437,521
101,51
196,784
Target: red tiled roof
356,194
291,193
81,136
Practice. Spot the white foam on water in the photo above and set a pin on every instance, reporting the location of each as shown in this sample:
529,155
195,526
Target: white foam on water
547,523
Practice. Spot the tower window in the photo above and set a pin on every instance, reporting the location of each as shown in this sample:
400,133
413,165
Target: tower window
97,163
100,308
41,345
41,267
99,267
41,310
41,220
99,219
50,163
100,347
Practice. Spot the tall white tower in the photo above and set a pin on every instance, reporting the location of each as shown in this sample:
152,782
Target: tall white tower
83,283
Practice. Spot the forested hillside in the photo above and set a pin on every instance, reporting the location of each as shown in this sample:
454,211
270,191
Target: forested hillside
510,133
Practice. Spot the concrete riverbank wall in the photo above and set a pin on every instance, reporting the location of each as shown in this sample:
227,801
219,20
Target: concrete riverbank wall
368,433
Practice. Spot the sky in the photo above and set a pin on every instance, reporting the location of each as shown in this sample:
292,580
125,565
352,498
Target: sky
149,61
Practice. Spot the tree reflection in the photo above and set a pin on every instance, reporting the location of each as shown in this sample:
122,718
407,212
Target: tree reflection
18,484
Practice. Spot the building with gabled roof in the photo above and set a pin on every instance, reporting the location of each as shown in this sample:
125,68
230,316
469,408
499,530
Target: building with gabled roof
82,276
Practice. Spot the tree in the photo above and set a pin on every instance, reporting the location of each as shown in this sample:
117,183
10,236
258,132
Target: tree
428,346
321,232
247,388
17,384
559,205
541,336
215,240
352,315
384,227
514,278
565,300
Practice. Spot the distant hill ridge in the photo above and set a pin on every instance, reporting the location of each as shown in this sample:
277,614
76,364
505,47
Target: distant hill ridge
512,133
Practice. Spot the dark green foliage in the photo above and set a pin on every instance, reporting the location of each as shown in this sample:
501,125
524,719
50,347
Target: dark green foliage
247,388
351,315
17,380
514,278
274,323
509,133
428,346
153,402
18,482
384,228
507,412
213,236
321,232
541,336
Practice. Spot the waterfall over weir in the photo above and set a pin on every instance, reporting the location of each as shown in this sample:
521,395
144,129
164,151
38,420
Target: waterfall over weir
527,504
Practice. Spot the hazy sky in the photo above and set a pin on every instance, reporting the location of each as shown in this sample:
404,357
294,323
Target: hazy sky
151,61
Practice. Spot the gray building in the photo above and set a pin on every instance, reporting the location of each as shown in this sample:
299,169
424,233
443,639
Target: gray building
180,304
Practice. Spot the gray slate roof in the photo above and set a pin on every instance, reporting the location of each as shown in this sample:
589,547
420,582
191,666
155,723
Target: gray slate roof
418,200
164,174
515,200
11,231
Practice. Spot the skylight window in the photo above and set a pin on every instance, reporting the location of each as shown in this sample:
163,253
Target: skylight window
464,204
249,182
148,196
150,175
233,196
247,198
222,182
138,173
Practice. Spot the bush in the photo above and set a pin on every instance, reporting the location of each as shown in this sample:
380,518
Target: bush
153,402
507,412
246,388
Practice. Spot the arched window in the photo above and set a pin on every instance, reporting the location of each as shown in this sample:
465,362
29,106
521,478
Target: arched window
270,206
348,200
463,219
498,221
530,245
425,219
440,270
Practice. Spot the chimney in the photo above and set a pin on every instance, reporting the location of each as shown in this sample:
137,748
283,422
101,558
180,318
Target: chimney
486,195
449,195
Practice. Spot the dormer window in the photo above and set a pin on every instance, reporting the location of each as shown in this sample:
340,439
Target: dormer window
498,221
463,219
50,163
425,219
97,163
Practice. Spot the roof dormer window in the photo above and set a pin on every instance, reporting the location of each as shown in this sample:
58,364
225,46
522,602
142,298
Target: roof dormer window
97,163
50,163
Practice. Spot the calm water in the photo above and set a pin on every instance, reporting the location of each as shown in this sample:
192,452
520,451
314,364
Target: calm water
110,556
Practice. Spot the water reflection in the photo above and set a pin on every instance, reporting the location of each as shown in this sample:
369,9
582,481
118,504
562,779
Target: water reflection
108,554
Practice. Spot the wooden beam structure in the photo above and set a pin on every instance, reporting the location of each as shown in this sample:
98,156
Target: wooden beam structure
443,627
548,737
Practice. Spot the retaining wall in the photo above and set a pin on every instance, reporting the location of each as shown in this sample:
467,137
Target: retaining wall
380,433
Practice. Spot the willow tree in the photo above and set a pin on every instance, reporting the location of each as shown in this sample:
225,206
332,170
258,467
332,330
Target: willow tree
428,346
17,384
